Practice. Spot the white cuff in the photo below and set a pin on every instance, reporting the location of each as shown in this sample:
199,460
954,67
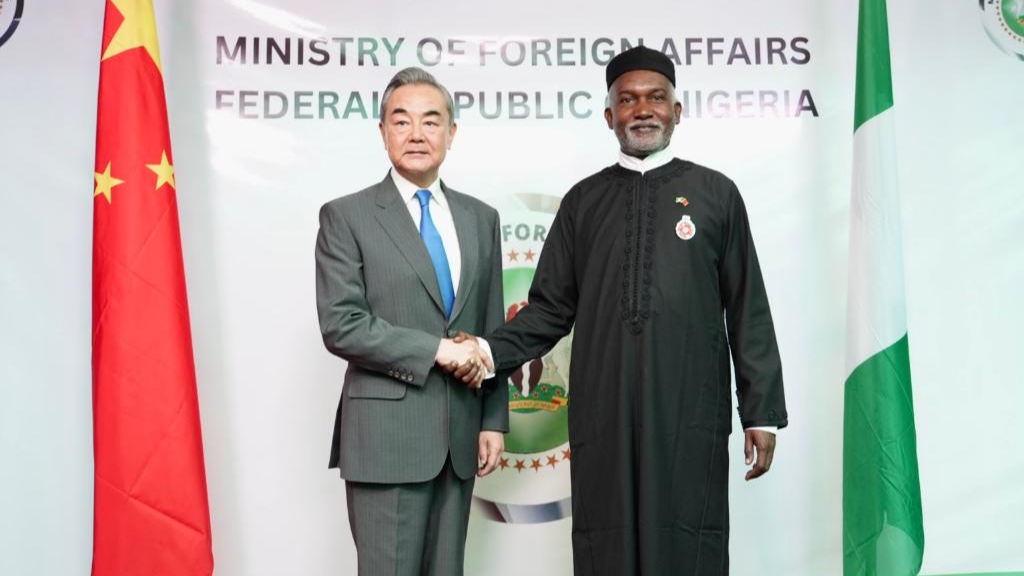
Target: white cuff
486,348
772,429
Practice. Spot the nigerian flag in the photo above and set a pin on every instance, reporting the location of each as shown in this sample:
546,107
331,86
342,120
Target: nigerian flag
883,532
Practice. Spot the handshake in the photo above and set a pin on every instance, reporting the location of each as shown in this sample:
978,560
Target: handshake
463,358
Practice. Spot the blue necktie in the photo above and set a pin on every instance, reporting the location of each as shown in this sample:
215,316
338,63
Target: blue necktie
432,239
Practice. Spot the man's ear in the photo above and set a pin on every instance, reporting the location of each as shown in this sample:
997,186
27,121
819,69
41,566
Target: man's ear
451,134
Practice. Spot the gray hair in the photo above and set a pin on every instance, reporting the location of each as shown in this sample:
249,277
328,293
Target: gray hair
413,76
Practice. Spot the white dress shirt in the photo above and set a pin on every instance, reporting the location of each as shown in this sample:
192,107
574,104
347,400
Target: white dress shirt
641,165
440,213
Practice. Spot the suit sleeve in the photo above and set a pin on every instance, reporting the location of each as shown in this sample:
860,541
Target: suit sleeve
551,312
495,402
348,328
755,351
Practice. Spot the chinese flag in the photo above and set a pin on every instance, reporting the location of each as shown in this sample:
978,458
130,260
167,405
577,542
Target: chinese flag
151,511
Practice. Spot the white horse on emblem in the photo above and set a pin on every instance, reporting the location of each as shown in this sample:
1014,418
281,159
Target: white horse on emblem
528,376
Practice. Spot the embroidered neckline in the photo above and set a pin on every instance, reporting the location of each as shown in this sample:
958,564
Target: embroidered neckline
640,192
657,175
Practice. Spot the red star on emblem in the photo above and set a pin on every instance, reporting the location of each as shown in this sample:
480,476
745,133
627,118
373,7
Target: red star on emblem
567,454
529,255
552,460
503,463
536,464
513,256
520,465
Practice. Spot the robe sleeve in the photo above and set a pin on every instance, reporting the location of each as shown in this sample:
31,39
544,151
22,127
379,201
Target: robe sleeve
551,312
755,351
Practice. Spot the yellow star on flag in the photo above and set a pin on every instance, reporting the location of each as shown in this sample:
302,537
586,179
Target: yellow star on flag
137,29
105,183
164,172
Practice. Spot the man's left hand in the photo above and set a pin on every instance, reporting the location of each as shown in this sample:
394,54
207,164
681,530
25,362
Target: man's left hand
764,443
491,446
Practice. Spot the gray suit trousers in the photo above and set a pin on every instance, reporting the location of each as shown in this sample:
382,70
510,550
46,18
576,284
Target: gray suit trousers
414,529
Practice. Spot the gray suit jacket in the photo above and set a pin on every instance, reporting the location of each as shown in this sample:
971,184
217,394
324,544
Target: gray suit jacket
380,309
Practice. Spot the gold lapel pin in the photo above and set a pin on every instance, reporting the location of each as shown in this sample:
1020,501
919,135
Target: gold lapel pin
682,200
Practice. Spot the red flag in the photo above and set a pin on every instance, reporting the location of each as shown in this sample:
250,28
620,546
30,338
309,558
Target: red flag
151,511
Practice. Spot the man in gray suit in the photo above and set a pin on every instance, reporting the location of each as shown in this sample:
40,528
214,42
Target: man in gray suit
400,268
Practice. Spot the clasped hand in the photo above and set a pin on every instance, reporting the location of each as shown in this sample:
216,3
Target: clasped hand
463,358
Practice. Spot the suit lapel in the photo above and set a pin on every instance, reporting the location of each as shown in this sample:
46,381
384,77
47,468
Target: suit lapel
398,224
466,230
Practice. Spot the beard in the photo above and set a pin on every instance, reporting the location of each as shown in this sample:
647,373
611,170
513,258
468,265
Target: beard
641,144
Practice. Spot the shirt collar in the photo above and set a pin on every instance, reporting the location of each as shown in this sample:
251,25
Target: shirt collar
407,190
641,165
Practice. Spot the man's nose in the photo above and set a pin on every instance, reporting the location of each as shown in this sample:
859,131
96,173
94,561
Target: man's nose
416,135
642,110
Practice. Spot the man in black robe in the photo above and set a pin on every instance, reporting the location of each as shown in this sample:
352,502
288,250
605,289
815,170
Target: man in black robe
653,260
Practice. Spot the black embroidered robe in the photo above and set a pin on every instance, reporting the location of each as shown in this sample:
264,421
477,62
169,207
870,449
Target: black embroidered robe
659,274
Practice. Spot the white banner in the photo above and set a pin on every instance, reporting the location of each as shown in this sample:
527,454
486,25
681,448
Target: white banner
273,112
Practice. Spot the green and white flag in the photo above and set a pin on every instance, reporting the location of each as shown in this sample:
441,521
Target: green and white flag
883,531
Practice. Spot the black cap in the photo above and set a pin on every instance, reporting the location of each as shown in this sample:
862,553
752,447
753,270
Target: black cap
640,58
